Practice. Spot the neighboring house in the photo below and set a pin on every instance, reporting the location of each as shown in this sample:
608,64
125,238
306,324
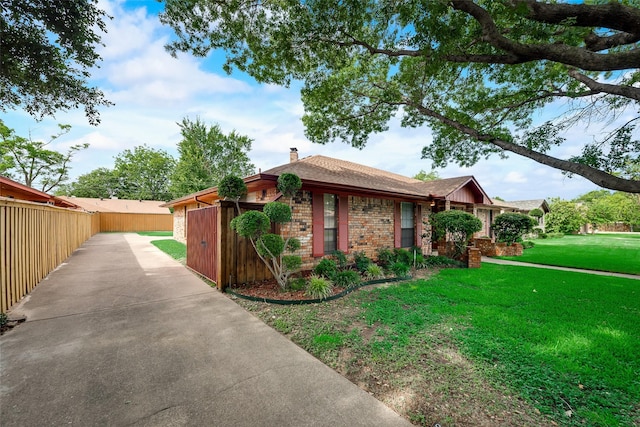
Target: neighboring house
118,205
126,215
526,206
14,190
347,206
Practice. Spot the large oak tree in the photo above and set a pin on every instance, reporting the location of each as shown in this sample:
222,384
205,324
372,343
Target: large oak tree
476,72
47,51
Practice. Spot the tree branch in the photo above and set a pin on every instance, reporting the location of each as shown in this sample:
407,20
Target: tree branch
596,176
612,15
557,52
630,92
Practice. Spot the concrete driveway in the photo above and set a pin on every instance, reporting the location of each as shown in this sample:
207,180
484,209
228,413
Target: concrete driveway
122,335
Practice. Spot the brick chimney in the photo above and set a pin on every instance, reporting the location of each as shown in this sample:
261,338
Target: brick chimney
293,155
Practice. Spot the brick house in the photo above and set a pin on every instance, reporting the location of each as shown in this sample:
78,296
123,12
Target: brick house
348,206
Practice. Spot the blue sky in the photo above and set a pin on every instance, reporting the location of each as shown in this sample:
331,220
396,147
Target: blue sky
153,91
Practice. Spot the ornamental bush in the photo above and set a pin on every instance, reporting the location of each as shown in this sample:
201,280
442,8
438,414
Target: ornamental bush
232,187
326,267
270,245
510,227
458,225
277,212
251,224
319,287
346,278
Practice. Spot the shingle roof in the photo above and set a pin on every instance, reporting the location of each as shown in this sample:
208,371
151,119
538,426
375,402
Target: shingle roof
118,205
526,205
341,172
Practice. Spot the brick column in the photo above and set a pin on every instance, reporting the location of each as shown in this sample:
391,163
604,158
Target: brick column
475,257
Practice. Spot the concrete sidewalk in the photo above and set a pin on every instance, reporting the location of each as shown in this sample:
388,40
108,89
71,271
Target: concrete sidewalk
121,334
553,267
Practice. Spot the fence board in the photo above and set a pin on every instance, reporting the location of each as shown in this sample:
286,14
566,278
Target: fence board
34,240
115,221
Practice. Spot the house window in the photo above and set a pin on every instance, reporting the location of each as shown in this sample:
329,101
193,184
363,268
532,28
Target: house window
330,224
407,225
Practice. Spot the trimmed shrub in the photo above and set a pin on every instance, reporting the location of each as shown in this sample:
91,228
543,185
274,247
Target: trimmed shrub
293,244
319,287
385,257
361,261
232,187
346,278
297,284
440,261
251,224
277,212
270,245
510,227
458,225
528,244
289,184
292,262
341,258
326,267
400,269
403,256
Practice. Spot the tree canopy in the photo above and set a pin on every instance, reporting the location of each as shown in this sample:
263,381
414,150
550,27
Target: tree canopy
144,173
207,155
47,50
478,73
32,162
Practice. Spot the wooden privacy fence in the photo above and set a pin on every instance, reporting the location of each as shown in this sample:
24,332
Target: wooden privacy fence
217,252
34,240
126,222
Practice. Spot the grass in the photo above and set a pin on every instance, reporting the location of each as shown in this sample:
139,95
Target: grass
156,233
173,248
514,345
618,253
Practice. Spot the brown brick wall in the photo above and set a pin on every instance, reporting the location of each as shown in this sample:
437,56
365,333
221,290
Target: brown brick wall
370,224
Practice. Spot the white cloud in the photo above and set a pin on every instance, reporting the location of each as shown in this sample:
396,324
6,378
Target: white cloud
515,178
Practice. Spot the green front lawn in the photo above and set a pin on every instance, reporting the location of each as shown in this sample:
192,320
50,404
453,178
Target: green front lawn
173,248
567,343
618,253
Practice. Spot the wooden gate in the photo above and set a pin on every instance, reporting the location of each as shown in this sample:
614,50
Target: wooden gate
202,241
217,252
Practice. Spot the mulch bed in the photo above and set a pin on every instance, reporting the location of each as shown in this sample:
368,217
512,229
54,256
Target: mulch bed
269,289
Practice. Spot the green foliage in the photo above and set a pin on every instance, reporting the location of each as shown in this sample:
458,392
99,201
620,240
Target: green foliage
458,225
536,213
361,260
386,257
206,155
47,51
251,224
346,278
144,173
441,261
326,267
554,235
289,184
293,244
564,217
528,244
277,212
3,319
99,183
374,272
403,255
297,284
479,74
232,187
292,262
400,269
319,287
427,176
31,162
341,258
510,227
270,245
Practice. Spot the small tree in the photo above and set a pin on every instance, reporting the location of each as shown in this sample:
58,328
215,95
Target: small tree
510,227
255,226
459,226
